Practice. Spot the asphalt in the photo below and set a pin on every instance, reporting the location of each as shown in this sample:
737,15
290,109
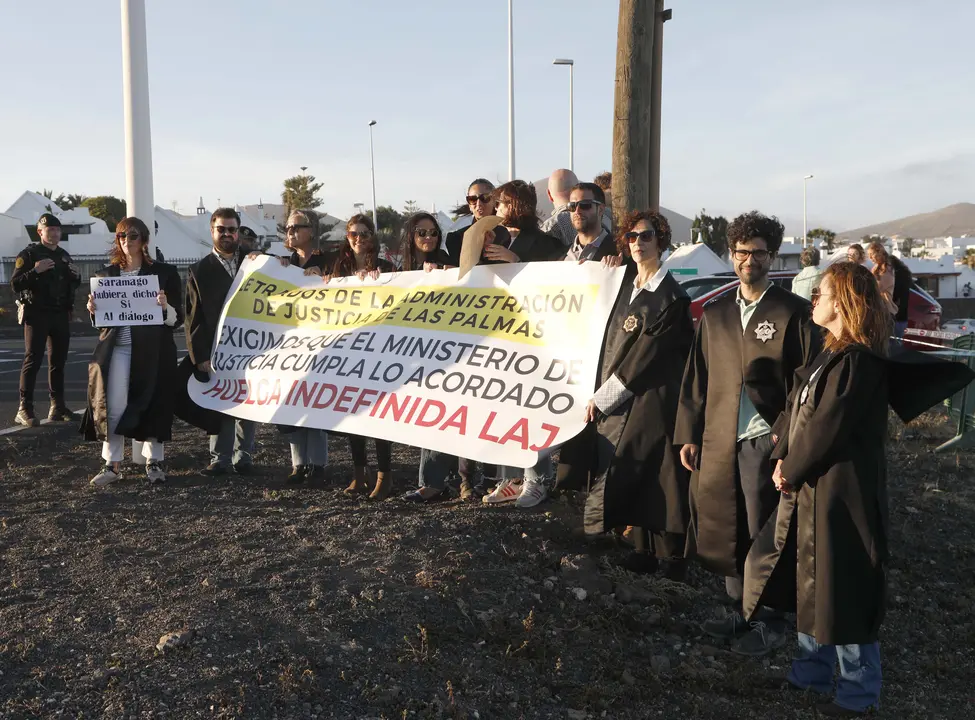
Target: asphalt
75,377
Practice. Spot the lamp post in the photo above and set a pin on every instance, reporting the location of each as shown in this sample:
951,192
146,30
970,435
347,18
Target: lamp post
372,165
571,64
135,105
804,181
511,94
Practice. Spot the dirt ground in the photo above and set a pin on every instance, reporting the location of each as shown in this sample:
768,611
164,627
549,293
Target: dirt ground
304,603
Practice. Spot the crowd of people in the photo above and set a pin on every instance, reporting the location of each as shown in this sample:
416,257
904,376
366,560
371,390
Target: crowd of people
753,444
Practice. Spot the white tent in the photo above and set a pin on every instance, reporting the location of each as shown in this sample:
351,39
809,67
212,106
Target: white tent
695,260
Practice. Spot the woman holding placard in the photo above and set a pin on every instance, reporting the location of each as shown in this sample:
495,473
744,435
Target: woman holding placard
131,375
359,255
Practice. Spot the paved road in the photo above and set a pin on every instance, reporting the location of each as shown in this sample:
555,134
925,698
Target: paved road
75,378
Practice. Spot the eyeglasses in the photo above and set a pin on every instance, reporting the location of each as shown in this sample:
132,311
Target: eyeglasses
128,236
359,235
224,230
759,255
645,236
423,233
295,228
816,295
585,205
485,199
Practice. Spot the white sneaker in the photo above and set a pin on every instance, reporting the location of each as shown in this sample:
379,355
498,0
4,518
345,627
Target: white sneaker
532,493
155,474
506,491
106,477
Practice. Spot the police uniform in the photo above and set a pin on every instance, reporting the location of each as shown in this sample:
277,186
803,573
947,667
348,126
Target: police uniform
47,299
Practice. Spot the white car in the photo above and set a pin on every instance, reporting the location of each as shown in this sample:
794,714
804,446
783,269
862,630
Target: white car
961,325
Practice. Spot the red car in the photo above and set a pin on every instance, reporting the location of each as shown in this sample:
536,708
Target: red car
923,311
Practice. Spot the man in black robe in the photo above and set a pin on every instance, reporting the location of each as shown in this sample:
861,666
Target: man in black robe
207,285
737,380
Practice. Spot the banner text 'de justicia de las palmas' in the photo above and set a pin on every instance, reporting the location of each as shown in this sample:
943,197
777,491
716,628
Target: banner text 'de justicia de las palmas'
495,367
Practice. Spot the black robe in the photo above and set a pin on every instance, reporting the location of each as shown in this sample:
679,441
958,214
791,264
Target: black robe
641,481
779,339
152,375
823,553
207,286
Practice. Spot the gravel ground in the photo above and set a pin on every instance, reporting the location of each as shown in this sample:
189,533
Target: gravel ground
303,603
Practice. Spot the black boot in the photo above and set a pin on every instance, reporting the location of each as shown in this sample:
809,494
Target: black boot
25,416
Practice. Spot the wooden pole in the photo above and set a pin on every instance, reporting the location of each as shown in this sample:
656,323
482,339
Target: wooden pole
660,17
631,118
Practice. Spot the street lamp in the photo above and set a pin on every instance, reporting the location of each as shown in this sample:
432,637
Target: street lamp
511,95
807,177
372,164
571,64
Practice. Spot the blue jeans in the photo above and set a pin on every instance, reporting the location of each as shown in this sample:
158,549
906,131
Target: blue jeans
542,471
434,468
858,687
235,442
309,446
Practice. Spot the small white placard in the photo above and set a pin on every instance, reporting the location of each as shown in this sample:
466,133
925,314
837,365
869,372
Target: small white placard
126,300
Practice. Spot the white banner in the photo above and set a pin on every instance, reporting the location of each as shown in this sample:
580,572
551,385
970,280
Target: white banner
496,367
126,300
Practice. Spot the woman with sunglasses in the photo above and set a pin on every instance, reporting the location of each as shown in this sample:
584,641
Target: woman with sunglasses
420,247
359,255
481,202
309,446
831,471
640,481
132,372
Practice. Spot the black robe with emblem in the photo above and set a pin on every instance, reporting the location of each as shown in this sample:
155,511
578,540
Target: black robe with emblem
640,480
207,285
779,339
823,553
152,375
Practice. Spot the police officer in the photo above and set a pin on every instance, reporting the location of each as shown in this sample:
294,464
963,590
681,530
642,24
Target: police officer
45,281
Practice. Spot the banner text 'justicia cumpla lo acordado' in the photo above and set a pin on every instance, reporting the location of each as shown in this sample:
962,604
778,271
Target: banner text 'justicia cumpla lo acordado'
496,367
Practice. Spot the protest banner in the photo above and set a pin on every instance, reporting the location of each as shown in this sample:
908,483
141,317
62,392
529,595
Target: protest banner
496,367
126,300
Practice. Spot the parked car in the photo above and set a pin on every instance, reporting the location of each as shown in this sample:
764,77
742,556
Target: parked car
965,326
923,311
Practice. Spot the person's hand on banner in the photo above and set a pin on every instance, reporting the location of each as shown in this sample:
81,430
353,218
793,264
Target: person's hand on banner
496,252
285,262
429,267
612,261
592,412
161,298
205,367
91,304
326,277
371,274
253,255
313,271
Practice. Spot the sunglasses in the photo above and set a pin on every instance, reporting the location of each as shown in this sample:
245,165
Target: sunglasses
224,230
128,236
817,295
295,228
585,205
759,255
358,235
645,236
485,199
422,233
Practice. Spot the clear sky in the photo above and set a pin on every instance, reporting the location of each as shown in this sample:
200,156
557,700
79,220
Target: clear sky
873,97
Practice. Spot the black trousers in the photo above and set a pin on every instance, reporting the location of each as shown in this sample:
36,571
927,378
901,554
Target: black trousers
384,452
44,328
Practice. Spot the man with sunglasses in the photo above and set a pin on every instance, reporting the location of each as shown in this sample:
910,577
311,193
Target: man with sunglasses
592,241
45,281
207,285
738,377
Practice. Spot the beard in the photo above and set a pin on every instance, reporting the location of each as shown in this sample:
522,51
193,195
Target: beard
227,245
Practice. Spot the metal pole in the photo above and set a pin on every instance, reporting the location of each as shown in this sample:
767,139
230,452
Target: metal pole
571,113
804,231
372,166
135,104
511,94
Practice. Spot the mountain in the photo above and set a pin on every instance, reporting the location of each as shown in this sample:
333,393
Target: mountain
951,221
680,226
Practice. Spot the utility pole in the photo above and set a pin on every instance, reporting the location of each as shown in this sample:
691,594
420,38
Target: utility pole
631,124
660,17
135,106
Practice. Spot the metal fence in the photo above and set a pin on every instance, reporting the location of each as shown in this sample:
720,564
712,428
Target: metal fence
961,405
91,264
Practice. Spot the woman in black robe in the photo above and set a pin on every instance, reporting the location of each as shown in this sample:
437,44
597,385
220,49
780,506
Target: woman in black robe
132,372
359,255
640,480
824,552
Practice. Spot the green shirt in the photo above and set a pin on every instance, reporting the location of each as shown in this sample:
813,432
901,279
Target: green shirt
750,423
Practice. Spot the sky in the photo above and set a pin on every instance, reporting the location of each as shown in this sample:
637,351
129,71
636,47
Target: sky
871,97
